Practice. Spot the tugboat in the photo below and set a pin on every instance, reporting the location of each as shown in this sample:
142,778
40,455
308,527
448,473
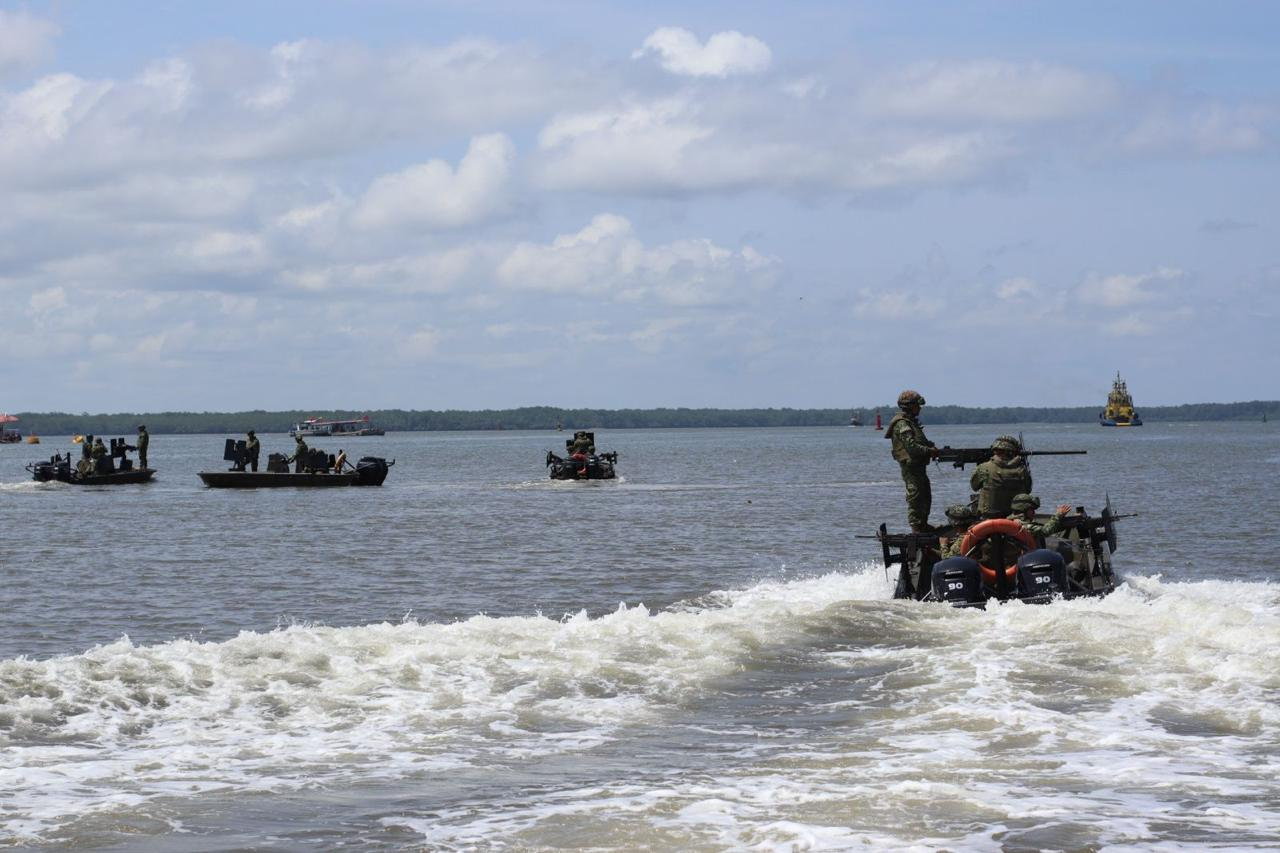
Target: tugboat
1074,563
583,464
316,469
112,469
319,428
1119,411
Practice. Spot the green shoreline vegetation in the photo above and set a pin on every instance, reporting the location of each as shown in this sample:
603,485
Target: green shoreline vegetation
548,418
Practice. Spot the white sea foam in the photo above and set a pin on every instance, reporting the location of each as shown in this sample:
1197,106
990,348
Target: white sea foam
306,705
1091,722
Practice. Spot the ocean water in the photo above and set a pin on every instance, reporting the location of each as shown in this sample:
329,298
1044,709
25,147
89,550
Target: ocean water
699,656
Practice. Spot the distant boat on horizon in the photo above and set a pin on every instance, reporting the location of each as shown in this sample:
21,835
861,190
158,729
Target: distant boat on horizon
1119,411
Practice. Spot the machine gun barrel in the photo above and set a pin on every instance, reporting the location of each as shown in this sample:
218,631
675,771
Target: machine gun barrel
962,456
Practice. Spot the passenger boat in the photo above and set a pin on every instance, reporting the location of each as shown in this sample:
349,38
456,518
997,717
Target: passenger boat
9,436
114,469
1119,411
582,466
1074,563
314,471
319,428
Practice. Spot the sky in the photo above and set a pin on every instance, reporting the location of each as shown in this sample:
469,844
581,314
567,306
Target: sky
433,205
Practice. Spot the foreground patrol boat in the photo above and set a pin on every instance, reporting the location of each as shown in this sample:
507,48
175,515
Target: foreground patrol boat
113,469
1074,563
582,466
316,471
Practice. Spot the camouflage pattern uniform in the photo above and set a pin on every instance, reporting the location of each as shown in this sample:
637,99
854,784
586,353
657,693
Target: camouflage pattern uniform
143,440
299,454
913,452
1024,507
252,448
997,480
962,517
581,444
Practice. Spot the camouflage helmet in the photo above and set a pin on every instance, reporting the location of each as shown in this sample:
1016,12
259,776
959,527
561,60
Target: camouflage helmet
1024,502
1007,443
909,398
961,513
251,432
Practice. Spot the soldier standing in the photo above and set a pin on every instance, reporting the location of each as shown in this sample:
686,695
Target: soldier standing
913,452
1001,477
252,447
581,444
299,454
143,440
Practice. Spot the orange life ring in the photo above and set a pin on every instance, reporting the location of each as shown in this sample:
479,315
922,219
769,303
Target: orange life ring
984,530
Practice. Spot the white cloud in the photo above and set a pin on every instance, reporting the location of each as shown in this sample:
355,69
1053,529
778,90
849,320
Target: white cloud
1122,290
433,195
1016,288
896,305
421,344
990,90
605,258
679,52
25,40
47,301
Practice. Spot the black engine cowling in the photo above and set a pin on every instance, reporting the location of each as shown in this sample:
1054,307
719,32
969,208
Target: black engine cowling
957,580
1042,572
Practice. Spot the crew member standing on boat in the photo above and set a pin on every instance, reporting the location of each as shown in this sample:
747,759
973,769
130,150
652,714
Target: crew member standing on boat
1004,475
251,448
581,444
143,440
913,451
299,454
340,461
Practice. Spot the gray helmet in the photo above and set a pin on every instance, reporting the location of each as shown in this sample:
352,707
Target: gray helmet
908,398
961,513
1024,502
1007,443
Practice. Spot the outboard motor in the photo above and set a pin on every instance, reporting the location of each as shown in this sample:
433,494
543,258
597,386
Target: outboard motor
1042,572
957,581
372,470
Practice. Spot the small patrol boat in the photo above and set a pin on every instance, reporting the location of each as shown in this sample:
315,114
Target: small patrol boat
1119,411
113,469
582,466
1003,561
314,470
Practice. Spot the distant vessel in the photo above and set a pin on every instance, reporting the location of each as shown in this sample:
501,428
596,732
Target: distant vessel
9,436
318,428
878,424
1119,411
854,420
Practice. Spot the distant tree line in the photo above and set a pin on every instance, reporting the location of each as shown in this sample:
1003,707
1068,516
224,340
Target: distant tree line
548,417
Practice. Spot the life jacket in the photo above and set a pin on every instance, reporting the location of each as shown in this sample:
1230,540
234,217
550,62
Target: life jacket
1003,483
917,432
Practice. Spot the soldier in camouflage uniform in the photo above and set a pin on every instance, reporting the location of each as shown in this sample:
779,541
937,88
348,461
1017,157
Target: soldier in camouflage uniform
143,440
962,517
299,454
1024,512
913,452
252,448
997,480
581,444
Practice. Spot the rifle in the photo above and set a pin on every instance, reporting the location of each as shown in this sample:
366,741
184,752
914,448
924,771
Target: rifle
962,456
